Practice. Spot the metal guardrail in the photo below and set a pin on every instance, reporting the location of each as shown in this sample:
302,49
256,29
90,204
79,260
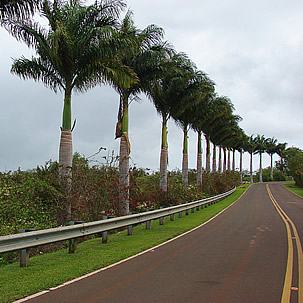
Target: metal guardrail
51,235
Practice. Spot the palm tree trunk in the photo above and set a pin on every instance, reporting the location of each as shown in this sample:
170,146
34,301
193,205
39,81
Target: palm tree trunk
228,160
199,161
241,166
66,151
234,160
271,167
251,168
124,160
260,170
164,156
185,158
214,159
224,160
207,154
220,160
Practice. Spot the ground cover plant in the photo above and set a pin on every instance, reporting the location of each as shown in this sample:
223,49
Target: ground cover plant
290,185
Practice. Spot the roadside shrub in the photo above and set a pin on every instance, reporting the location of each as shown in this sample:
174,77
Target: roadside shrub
35,199
26,201
277,175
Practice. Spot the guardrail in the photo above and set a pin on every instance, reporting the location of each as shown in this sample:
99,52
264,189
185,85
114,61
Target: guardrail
46,236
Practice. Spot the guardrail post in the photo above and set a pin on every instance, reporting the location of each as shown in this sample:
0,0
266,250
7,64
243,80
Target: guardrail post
72,243
148,224
104,233
24,253
192,210
161,220
180,214
197,208
172,217
129,230
187,212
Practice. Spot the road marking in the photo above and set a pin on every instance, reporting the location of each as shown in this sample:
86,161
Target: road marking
289,269
132,257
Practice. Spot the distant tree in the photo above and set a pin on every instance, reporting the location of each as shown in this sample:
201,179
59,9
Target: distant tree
260,148
250,147
271,149
294,164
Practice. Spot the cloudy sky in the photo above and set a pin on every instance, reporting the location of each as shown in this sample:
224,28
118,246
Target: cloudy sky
253,50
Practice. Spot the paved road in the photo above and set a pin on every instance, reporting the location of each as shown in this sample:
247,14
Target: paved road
239,257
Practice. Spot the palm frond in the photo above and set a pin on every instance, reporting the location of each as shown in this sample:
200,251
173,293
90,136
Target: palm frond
37,70
18,9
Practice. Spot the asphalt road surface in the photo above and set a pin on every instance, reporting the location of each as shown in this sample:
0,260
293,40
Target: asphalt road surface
248,254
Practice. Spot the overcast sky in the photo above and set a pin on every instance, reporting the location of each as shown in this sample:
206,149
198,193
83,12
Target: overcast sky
253,50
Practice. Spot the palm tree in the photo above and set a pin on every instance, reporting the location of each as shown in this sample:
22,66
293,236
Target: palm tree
214,166
167,94
220,160
271,149
143,58
260,148
281,148
250,147
199,119
240,146
18,9
78,50
220,112
196,90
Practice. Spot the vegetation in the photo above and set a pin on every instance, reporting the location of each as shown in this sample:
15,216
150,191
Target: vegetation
298,190
34,199
49,270
269,174
18,9
292,164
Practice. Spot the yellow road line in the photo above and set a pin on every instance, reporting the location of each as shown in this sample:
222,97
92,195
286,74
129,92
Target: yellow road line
288,276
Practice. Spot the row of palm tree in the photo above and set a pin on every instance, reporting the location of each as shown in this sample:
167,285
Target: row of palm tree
89,45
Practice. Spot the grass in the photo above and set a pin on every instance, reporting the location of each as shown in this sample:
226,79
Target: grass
49,270
291,186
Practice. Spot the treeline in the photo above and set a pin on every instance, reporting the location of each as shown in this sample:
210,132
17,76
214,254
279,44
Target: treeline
88,45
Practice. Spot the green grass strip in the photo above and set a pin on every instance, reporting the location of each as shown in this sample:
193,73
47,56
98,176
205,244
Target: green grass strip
52,269
291,186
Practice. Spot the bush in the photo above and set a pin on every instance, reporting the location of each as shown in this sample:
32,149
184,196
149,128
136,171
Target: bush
35,199
277,174
26,201
294,158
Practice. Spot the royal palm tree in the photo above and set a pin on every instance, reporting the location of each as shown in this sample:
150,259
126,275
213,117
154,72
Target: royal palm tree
144,59
271,149
250,147
78,50
281,148
199,119
219,112
167,93
195,96
214,166
240,147
260,148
